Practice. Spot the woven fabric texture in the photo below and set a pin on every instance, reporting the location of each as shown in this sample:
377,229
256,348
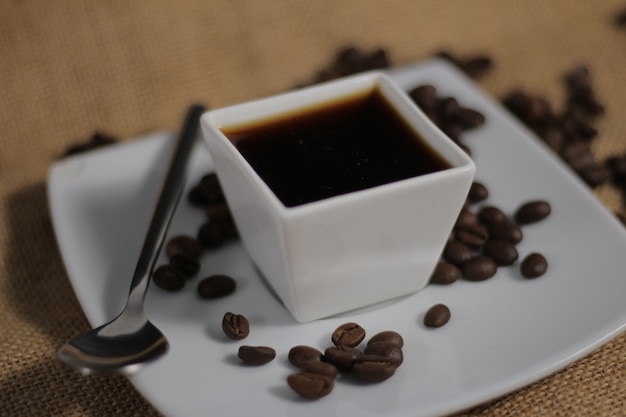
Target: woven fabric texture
71,67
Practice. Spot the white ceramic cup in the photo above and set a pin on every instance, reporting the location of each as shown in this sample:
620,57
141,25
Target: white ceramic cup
348,251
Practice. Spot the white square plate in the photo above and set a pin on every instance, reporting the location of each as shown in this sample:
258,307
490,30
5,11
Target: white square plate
505,332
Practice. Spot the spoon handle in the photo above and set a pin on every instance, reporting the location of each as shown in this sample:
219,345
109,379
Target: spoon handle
168,199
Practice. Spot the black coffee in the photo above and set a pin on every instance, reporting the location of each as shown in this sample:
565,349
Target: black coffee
347,145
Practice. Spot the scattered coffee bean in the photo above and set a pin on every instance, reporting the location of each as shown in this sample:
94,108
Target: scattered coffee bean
207,191
437,316
445,273
341,356
190,265
169,278
309,385
479,268
500,250
256,355
506,230
97,140
235,326
620,19
457,253
477,192
474,66
218,212
373,368
210,234
319,367
474,235
216,286
387,336
532,212
490,215
465,219
387,350
348,334
302,353
533,266
183,244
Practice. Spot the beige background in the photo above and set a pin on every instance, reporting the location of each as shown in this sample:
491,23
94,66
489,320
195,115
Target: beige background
70,67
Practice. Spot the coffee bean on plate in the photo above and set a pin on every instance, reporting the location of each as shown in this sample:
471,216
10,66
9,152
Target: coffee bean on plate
210,234
302,353
319,367
169,278
534,265
490,215
502,251
256,355
437,316
183,244
479,268
373,368
341,356
387,336
477,192
348,334
190,265
310,385
474,235
235,326
532,212
466,218
216,286
457,252
445,273
385,349
97,140
506,230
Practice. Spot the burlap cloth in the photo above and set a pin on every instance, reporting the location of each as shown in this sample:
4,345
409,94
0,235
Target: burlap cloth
70,67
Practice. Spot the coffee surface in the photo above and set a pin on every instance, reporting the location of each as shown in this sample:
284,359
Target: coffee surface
343,146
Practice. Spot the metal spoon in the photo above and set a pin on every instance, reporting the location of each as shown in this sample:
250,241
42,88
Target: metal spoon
124,344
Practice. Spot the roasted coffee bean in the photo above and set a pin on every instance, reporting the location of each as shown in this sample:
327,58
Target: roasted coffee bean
457,252
470,118
387,350
445,273
373,368
506,230
533,266
218,212
425,96
190,265
348,334
479,268
97,140
302,353
387,336
477,192
620,19
210,234
309,385
342,356
500,250
437,316
594,175
474,66
183,244
256,355
235,326
452,129
319,367
207,191
466,218
216,286
532,212
169,278
490,215
473,236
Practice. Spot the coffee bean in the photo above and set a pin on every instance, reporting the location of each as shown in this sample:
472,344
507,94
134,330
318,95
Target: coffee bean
445,273
457,252
465,218
373,368
348,334
318,367
190,265
183,244
387,336
97,140
216,286
490,215
470,118
169,278
207,191
620,19
309,385
437,316
210,234
500,250
533,266
477,192
474,235
235,326
256,355
342,356
425,96
387,350
532,212
302,353
479,268
218,212
506,230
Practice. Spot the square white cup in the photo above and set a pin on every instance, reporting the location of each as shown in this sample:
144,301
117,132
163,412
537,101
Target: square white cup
352,250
